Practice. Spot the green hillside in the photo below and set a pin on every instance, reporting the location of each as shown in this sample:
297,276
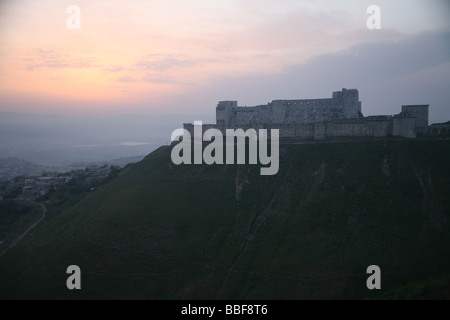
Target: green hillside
160,231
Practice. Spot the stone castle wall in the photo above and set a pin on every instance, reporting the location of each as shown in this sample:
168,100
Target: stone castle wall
419,112
343,105
404,127
335,129
318,119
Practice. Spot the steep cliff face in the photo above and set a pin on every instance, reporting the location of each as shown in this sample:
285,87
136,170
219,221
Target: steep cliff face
224,231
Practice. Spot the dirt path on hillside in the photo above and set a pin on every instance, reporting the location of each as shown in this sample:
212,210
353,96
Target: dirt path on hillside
255,223
42,217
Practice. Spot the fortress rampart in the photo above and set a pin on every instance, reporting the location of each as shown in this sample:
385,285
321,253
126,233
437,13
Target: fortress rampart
343,105
319,119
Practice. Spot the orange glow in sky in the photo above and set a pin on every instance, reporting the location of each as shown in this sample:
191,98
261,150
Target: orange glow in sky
141,52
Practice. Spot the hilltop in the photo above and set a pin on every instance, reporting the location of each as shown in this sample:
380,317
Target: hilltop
160,231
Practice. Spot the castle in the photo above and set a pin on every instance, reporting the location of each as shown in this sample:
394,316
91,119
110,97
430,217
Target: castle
337,117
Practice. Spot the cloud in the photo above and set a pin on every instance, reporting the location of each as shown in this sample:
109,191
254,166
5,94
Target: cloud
162,62
385,60
157,68
51,59
166,62
158,78
126,79
387,74
114,68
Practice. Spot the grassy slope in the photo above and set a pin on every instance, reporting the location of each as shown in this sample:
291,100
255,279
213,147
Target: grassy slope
15,219
162,231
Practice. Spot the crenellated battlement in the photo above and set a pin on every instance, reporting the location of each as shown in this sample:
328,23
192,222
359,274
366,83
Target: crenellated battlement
344,104
317,119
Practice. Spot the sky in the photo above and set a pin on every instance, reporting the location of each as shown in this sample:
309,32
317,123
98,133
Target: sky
167,57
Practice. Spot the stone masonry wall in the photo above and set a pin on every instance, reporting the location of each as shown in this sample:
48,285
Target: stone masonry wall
339,116
343,105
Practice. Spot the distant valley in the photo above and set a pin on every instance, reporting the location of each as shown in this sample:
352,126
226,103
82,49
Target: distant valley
50,140
14,167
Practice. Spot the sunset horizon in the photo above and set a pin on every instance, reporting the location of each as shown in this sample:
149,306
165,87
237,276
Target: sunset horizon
171,57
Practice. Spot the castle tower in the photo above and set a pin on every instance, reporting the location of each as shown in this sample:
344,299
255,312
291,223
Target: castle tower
224,113
349,99
420,112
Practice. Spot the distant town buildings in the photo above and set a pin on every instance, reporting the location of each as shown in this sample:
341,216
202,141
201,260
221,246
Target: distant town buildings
31,188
